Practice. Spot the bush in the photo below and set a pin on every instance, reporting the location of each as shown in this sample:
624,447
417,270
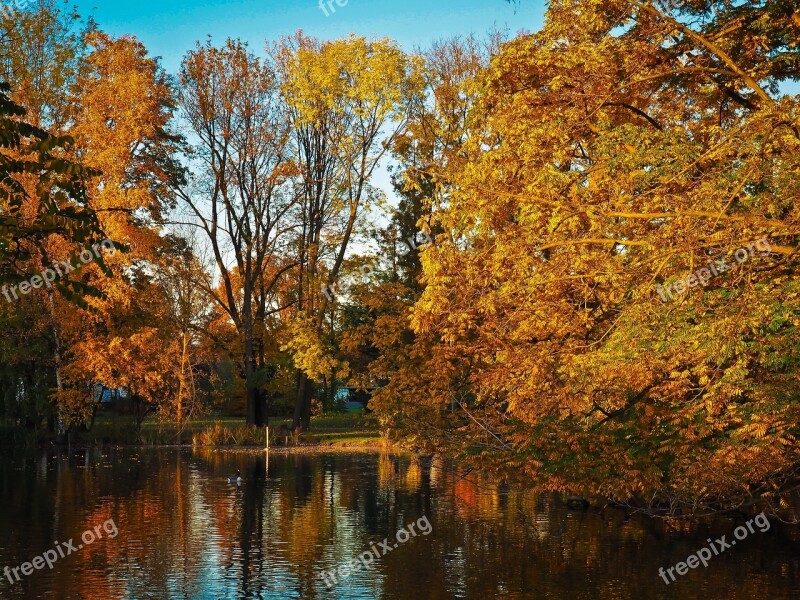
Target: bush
219,435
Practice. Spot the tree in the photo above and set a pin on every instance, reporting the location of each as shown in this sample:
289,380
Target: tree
347,102
180,273
30,160
240,196
42,198
43,54
407,365
41,59
121,122
622,147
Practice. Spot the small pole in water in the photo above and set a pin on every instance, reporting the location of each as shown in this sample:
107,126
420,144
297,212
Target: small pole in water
267,430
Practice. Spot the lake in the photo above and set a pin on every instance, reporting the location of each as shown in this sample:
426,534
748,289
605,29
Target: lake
166,524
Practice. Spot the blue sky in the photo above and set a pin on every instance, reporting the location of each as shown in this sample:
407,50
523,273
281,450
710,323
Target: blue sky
169,28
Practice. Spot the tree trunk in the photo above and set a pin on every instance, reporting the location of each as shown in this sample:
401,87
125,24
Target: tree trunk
264,408
183,386
302,407
298,405
256,401
61,425
255,415
307,406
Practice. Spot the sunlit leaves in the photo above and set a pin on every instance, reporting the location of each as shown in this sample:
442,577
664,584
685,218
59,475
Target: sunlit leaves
41,193
618,150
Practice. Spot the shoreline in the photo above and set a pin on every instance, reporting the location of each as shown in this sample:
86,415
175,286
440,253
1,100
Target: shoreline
317,448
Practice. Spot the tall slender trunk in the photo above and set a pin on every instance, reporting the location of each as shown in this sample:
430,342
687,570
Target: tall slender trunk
182,385
253,417
302,408
61,422
256,402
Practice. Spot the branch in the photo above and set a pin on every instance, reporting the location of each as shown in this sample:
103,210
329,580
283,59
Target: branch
590,241
638,111
711,46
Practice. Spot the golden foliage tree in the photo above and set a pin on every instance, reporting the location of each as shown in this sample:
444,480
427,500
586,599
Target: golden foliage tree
347,101
627,145
124,339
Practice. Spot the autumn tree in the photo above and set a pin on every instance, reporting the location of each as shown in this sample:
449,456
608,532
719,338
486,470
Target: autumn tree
405,364
42,54
348,100
240,195
115,103
627,145
121,120
41,58
29,159
42,196
181,274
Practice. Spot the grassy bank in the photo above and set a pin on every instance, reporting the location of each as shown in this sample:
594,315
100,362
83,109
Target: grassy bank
336,430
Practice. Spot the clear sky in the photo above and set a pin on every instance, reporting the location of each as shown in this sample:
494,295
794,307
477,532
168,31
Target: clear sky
169,28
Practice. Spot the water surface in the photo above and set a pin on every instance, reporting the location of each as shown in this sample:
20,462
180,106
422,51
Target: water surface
184,532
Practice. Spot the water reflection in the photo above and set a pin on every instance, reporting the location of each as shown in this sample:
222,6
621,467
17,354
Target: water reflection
185,532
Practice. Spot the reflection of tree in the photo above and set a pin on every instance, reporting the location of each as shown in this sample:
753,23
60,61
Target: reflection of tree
185,533
302,479
252,532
